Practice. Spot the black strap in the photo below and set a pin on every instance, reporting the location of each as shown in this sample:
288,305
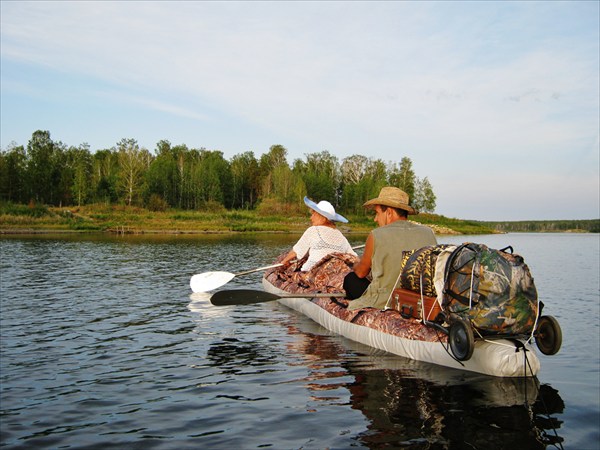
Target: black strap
461,298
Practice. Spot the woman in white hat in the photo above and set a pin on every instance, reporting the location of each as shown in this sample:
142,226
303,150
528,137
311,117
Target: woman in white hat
320,239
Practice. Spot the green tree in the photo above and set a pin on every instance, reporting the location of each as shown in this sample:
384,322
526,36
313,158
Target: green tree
133,162
403,177
162,177
244,172
277,180
63,175
105,170
276,156
210,179
82,173
12,173
40,171
378,174
287,187
353,170
181,154
187,162
424,198
321,176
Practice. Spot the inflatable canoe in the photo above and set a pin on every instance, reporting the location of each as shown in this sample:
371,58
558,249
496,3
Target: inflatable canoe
407,337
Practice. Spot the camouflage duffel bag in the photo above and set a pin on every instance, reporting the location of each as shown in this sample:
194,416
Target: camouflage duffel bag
491,288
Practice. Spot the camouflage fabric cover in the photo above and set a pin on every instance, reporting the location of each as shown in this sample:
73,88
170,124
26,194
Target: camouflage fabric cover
328,276
418,266
325,276
497,285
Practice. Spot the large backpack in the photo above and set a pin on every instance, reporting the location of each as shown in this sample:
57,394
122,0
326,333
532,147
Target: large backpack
493,289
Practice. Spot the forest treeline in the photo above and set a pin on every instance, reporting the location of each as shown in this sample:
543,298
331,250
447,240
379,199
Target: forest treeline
175,176
548,226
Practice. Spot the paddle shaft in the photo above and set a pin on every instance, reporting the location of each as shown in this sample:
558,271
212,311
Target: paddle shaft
246,272
249,296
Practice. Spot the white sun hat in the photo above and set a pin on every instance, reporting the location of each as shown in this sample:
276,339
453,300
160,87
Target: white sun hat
326,209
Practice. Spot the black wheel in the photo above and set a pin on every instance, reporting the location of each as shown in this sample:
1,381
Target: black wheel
548,336
461,339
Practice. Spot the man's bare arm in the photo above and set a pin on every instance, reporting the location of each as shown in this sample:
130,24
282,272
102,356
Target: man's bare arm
363,267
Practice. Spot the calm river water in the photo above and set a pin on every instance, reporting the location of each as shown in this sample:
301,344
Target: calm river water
102,346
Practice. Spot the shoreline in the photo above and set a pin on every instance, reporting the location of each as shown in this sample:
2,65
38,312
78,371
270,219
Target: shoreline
438,230
122,220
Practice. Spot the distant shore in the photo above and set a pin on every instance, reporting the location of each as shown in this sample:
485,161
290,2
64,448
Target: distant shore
23,219
118,219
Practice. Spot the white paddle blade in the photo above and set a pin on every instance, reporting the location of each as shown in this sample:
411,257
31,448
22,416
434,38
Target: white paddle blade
207,281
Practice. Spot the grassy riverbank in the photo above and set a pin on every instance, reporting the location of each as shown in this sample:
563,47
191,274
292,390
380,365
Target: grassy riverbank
122,219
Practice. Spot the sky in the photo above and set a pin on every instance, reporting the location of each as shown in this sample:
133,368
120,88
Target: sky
496,103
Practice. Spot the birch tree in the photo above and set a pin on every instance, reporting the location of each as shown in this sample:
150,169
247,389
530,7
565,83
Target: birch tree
424,198
82,173
132,163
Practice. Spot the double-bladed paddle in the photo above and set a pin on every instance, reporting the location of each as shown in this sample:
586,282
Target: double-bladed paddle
208,281
249,296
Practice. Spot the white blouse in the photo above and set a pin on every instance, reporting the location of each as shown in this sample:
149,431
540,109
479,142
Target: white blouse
318,242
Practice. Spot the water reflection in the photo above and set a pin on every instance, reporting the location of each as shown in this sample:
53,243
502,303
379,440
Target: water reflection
419,405
232,355
200,303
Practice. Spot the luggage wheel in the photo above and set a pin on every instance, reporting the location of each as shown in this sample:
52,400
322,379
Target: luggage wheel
462,341
548,335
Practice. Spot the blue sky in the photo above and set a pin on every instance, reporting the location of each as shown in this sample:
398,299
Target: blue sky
497,103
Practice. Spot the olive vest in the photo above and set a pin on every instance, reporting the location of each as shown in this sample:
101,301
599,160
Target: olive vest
389,243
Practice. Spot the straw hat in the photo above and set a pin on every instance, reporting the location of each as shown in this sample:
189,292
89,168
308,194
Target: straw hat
326,209
394,197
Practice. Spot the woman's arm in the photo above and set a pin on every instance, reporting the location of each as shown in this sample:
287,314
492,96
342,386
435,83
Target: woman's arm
291,255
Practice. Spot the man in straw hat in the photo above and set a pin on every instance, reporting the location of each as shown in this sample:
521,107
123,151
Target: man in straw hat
382,257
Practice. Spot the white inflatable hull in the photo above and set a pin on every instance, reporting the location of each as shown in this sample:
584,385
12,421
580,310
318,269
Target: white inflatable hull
498,357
